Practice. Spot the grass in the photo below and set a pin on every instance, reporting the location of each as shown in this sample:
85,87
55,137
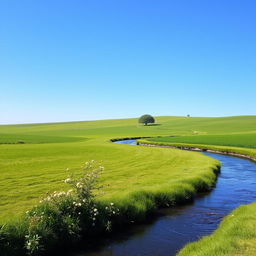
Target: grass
32,170
136,178
34,139
247,140
242,151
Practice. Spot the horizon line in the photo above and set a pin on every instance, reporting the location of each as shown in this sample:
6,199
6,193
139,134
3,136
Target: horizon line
92,120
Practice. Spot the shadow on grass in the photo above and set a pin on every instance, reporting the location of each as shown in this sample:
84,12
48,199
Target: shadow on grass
153,125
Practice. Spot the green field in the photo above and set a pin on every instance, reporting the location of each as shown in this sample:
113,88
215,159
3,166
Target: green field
247,140
30,170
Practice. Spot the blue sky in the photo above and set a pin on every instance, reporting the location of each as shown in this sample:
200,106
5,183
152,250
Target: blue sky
82,60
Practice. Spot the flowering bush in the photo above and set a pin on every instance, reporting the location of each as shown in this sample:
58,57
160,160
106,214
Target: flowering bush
64,217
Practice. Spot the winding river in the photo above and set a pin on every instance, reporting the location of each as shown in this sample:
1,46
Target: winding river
173,228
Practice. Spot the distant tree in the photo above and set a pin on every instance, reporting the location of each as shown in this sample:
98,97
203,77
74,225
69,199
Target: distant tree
188,115
146,119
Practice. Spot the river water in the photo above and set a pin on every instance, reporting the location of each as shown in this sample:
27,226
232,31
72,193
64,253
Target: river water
167,233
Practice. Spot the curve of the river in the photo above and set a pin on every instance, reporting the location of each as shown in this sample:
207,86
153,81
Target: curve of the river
175,227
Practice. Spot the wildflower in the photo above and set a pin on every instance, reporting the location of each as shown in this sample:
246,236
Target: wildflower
69,191
111,204
108,226
79,185
68,180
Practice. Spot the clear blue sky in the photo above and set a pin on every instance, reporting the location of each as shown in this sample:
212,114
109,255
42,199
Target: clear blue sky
81,60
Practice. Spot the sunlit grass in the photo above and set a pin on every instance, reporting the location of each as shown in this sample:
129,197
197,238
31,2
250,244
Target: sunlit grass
247,140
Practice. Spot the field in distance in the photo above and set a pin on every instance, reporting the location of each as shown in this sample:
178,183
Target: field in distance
30,170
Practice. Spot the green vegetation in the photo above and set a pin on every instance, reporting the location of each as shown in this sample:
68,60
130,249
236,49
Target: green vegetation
146,119
243,152
62,218
136,179
247,140
36,139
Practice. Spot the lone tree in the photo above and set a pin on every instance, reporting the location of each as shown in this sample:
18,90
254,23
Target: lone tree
146,119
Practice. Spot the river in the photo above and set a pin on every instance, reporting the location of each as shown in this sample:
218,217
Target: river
167,233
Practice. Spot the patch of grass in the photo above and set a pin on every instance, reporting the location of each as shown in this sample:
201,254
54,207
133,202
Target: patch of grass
6,138
235,236
247,140
251,152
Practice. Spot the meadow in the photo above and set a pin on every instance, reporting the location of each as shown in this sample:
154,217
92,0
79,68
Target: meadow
138,177
247,140
30,170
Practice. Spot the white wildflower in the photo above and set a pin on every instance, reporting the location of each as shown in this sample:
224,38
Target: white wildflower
69,191
68,180
79,185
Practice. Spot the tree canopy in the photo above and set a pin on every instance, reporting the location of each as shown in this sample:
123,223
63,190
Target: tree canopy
146,119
